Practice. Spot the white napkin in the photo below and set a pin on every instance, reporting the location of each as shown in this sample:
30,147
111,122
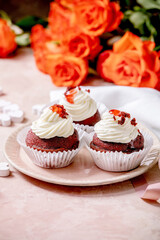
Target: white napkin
141,103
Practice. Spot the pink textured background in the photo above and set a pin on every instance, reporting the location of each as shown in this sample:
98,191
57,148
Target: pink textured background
31,209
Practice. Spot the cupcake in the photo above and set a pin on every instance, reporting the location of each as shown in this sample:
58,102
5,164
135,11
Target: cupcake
51,141
117,132
117,144
81,107
53,131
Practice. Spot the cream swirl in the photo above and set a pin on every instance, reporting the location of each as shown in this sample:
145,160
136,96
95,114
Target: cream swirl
50,125
111,130
83,106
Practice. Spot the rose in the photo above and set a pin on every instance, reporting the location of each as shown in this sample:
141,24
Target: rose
91,16
7,39
66,70
95,17
71,3
114,16
132,63
95,47
43,44
132,42
126,69
76,43
38,39
60,20
81,45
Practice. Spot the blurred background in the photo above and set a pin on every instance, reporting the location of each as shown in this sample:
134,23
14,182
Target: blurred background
17,9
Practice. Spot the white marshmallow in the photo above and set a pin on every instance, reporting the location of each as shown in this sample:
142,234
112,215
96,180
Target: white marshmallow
4,169
37,109
17,116
5,120
10,108
3,104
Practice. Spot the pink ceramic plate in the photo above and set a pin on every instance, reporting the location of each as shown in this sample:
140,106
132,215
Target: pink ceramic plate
82,172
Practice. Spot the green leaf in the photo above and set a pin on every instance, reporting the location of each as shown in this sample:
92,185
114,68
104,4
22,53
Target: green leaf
149,4
127,2
150,27
5,16
106,35
138,19
150,38
157,48
92,71
28,22
23,39
137,8
128,13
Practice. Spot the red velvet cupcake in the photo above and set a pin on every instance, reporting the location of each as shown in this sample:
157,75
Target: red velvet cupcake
81,107
51,141
117,144
127,140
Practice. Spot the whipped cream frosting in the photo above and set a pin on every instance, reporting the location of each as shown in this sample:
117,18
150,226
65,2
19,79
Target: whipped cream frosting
112,129
83,105
50,125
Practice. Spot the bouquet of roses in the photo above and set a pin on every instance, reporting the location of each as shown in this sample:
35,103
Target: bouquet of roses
75,40
72,39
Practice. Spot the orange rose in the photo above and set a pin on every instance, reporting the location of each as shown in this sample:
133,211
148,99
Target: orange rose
95,47
43,44
71,3
132,42
131,63
38,39
60,20
114,16
76,44
67,71
91,16
81,45
7,39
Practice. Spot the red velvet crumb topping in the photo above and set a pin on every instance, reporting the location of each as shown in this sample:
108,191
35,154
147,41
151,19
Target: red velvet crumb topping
59,109
133,122
115,112
120,114
88,90
70,94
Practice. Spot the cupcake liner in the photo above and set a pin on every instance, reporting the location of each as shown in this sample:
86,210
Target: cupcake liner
48,159
101,108
119,161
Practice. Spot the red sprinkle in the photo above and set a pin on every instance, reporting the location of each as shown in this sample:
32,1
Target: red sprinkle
133,122
70,94
88,90
115,112
59,109
118,113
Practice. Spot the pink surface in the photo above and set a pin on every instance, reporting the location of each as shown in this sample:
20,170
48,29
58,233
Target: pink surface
32,209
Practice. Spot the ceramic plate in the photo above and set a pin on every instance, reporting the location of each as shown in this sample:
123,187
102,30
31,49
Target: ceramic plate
82,172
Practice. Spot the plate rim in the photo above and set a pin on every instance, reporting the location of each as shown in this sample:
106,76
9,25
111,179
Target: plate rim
128,175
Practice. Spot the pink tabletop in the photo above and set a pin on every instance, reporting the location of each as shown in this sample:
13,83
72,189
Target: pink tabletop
32,209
